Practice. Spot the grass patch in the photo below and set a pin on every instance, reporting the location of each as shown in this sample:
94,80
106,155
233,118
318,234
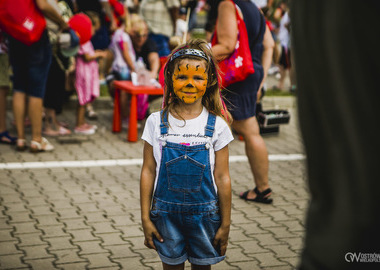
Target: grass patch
275,92
104,90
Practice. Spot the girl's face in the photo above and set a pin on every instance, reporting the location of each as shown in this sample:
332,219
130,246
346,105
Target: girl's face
190,80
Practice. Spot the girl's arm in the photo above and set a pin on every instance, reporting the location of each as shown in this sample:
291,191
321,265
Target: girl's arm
127,57
148,174
90,57
223,182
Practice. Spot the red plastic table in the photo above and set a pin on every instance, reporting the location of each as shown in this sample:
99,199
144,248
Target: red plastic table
127,86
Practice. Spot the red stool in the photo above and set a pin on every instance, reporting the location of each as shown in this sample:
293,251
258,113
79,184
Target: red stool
128,87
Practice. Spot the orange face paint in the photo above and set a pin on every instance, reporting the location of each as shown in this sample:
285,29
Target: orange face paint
190,80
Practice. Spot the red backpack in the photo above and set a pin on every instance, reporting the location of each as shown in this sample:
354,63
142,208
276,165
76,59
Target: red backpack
22,20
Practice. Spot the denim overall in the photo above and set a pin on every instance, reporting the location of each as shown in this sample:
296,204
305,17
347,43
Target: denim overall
185,205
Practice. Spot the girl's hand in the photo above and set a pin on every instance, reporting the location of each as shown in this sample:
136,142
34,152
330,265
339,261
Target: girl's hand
221,239
150,231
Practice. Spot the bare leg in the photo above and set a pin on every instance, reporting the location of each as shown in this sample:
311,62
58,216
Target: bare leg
283,73
19,112
173,267
35,115
80,115
256,152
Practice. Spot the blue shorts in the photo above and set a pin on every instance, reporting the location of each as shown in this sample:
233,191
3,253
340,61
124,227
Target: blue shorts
188,232
30,65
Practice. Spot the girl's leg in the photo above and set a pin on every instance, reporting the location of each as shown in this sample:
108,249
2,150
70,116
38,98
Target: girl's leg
200,267
80,115
173,267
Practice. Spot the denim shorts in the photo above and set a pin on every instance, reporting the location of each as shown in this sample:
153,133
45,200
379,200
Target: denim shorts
188,232
30,65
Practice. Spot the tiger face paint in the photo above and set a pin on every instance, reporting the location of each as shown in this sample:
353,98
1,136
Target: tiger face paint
190,80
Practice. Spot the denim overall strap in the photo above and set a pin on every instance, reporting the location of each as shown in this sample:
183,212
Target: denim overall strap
164,123
210,127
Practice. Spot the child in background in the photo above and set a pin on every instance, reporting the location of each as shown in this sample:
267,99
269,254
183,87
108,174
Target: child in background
87,78
181,25
185,187
124,59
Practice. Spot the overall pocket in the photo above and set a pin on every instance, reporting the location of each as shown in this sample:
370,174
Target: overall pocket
185,174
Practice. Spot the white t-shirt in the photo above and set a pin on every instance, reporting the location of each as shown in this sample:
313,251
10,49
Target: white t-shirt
283,33
181,27
121,37
189,133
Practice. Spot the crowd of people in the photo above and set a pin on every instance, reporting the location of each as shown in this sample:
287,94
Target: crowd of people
155,35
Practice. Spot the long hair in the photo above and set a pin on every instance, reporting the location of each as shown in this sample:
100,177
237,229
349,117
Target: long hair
212,99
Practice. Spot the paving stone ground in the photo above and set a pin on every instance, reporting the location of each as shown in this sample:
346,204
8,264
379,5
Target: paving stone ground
89,218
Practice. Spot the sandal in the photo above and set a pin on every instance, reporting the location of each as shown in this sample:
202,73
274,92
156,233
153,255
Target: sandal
43,146
261,197
6,138
21,145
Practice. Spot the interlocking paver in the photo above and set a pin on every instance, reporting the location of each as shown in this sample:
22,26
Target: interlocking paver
59,243
36,252
101,261
41,263
12,262
9,248
30,239
68,256
89,218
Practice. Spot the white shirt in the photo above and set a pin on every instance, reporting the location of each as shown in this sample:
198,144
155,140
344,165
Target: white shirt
190,133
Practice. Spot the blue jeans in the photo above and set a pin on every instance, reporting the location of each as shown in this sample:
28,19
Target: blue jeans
188,232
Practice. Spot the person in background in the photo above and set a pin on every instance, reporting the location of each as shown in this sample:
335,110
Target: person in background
211,7
87,78
338,102
181,25
144,46
55,86
161,16
29,80
124,61
145,49
241,97
5,82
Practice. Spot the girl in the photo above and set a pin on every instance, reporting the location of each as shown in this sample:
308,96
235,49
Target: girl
87,78
185,185
124,58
